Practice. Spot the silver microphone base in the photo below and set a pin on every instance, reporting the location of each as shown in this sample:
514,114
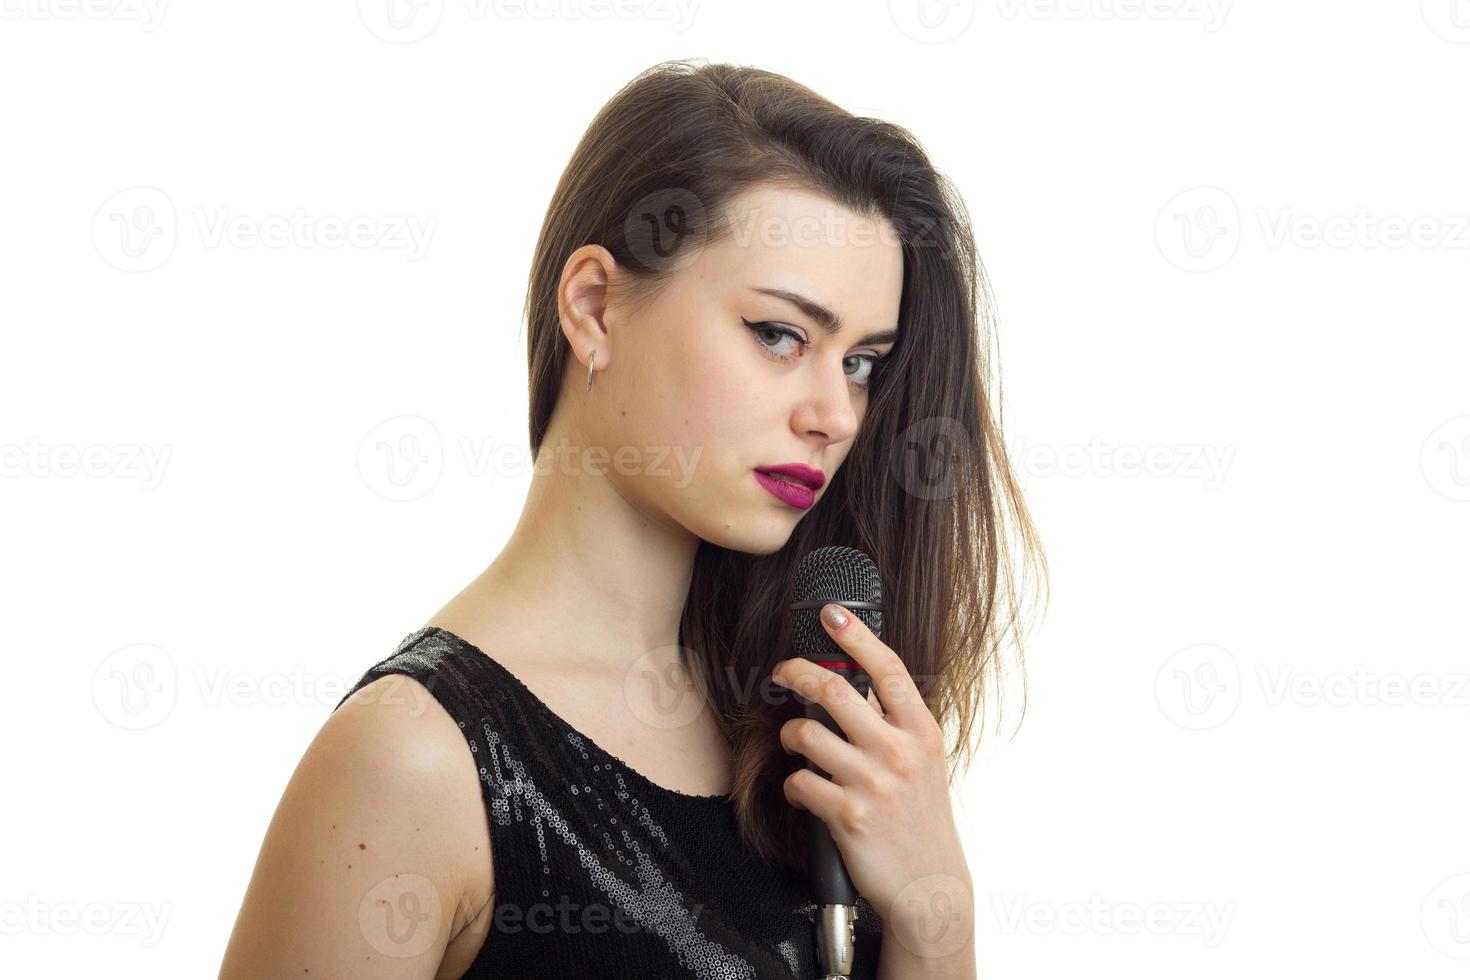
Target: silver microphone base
835,941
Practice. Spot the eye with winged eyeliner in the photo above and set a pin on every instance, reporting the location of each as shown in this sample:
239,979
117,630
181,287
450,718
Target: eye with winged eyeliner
786,332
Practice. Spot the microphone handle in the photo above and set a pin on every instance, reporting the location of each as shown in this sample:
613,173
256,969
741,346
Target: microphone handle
827,874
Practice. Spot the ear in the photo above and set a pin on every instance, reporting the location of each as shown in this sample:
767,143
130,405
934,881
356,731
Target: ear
582,304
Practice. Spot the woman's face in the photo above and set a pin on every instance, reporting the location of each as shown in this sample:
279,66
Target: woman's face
721,374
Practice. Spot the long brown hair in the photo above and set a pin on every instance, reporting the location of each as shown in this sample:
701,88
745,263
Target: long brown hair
926,489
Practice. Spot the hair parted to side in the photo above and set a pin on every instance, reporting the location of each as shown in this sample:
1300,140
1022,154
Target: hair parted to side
926,490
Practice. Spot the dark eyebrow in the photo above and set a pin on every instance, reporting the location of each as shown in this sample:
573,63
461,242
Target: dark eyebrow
830,322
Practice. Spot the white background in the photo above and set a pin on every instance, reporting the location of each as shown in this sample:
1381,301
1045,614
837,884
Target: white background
1248,700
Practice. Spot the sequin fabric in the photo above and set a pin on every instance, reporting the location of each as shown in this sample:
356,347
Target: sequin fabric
599,872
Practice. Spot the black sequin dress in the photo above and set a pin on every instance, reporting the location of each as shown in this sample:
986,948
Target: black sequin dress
599,872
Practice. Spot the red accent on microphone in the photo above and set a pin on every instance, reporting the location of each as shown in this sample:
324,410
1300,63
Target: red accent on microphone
834,664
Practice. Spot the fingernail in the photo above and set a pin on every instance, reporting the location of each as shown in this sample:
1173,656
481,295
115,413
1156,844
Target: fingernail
835,617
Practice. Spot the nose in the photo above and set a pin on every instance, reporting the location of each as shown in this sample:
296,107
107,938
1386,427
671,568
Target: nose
827,410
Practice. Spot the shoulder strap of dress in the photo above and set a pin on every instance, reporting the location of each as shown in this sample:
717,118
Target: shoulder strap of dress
464,685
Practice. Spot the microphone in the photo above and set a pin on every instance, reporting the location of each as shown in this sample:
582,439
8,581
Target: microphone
849,577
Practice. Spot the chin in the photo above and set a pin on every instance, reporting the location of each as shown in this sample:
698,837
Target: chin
753,533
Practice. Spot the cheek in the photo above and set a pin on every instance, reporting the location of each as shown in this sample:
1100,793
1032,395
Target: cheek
725,432
716,396
709,391
720,422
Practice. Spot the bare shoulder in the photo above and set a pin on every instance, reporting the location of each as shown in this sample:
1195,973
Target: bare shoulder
377,861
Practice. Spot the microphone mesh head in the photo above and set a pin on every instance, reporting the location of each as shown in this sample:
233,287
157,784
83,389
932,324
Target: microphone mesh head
833,574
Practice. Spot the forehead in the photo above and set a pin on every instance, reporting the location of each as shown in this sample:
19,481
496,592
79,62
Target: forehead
798,240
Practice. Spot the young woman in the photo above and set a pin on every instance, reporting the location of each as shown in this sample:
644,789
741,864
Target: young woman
754,330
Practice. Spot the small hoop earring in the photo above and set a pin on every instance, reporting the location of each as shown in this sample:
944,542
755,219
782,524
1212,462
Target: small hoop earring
589,369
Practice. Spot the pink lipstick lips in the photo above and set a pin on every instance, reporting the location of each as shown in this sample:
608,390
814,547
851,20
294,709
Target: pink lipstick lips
792,483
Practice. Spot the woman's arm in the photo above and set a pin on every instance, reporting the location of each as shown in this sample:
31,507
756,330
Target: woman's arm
369,866
934,939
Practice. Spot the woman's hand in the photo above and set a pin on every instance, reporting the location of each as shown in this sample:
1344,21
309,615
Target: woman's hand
887,803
